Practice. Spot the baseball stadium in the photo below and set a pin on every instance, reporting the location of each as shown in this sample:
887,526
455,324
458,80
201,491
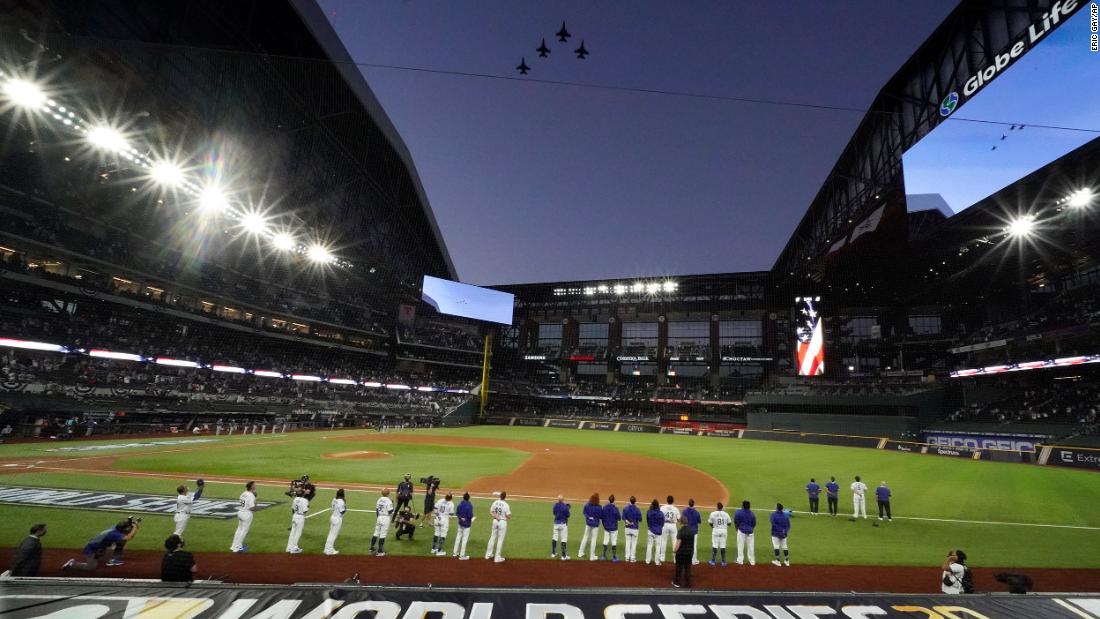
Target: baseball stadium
240,376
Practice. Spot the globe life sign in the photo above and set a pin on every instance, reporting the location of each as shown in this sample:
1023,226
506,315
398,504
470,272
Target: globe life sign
1059,12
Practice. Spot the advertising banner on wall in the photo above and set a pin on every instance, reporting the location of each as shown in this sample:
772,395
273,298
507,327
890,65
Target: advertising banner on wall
24,601
1008,442
1075,457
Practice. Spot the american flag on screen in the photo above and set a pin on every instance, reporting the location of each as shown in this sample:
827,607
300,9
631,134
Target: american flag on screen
811,338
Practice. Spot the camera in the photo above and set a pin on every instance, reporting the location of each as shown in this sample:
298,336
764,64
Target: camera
133,519
430,480
302,485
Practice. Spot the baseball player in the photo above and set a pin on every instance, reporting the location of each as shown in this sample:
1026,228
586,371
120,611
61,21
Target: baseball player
781,525
859,501
245,510
882,493
745,521
692,518
383,509
298,509
561,529
592,514
335,521
610,518
668,537
719,522
813,491
465,514
632,518
444,510
655,527
501,514
832,493
184,500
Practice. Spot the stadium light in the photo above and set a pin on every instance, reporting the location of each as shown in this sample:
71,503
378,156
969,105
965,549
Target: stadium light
1081,198
669,286
1022,226
283,241
212,200
620,289
254,223
108,139
24,94
318,253
653,288
637,287
167,173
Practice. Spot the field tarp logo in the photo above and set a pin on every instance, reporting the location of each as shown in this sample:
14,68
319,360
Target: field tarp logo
949,103
109,501
190,441
38,601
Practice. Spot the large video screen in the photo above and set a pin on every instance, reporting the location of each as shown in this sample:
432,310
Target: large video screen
1054,81
810,335
468,301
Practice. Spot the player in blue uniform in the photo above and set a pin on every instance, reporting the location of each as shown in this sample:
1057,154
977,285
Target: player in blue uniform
882,493
592,514
632,517
561,529
831,494
781,526
693,518
610,518
813,491
655,526
745,522
465,514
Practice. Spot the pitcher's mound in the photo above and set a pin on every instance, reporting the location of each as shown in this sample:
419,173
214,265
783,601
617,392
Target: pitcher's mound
358,455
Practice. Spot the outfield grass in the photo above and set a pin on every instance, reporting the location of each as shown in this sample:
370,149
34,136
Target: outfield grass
762,471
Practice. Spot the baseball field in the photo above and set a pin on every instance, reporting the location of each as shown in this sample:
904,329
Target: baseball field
1003,515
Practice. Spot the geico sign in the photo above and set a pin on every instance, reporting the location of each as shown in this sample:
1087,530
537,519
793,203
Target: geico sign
1058,13
977,442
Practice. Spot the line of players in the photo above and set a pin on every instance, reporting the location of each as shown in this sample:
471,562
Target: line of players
660,522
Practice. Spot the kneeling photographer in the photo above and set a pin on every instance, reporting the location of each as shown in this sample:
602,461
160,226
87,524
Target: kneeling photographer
113,538
406,524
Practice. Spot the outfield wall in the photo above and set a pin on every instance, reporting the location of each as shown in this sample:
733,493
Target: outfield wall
1052,455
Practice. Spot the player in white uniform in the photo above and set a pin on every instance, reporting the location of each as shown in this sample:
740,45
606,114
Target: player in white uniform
335,521
244,517
384,510
719,523
298,509
859,500
444,510
184,501
501,514
668,534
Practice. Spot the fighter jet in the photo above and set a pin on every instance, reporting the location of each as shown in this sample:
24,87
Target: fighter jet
543,50
563,34
581,52
523,68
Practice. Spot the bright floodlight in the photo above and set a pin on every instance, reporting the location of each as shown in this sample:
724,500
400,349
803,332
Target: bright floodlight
1081,198
1021,226
620,289
24,93
167,173
319,254
212,200
108,139
283,241
254,223
669,286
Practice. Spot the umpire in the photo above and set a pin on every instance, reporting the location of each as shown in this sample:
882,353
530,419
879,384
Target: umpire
404,493
28,557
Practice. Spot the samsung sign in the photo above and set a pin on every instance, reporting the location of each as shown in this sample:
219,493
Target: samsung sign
968,441
1059,12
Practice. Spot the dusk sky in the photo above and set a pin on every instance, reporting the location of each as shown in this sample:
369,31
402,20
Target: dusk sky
536,182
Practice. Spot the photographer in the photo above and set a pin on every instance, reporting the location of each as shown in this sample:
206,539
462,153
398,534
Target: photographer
406,524
956,577
115,538
177,565
302,487
431,484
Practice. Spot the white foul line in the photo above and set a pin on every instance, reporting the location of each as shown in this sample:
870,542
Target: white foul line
1011,524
